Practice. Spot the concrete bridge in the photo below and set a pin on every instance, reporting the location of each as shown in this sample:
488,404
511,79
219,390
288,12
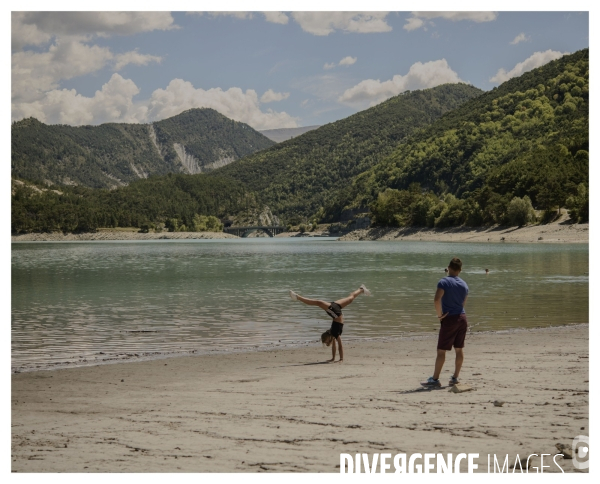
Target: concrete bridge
271,231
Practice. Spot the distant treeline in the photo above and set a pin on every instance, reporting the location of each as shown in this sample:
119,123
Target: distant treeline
179,202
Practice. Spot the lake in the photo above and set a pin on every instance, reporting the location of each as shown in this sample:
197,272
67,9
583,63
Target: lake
91,302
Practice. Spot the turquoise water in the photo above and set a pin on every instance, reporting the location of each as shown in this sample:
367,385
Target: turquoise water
89,302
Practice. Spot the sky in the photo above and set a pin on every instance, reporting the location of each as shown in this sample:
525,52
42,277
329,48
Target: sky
277,69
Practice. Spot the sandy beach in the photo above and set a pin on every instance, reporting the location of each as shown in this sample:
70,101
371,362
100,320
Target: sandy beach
556,232
560,231
288,411
118,235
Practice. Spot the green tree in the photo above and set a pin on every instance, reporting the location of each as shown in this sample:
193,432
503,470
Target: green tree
172,224
579,205
203,223
520,211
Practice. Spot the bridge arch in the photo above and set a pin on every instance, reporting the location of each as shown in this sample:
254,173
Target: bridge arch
271,230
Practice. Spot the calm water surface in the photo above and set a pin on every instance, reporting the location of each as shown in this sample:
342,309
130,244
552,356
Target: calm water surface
88,302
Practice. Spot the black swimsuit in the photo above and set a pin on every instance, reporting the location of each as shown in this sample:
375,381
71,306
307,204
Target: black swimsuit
335,311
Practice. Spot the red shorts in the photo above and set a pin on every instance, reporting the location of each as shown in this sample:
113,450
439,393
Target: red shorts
453,332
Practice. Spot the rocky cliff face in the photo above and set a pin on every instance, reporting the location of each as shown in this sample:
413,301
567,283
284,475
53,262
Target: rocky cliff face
263,218
266,218
190,164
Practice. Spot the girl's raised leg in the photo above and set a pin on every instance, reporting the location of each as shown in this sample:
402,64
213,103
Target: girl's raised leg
347,300
313,302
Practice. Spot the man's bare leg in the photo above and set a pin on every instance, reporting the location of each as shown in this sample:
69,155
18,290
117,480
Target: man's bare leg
339,340
460,356
347,300
332,351
439,363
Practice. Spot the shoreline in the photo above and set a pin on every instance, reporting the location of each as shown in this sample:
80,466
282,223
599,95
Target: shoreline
559,232
123,358
553,233
287,410
118,235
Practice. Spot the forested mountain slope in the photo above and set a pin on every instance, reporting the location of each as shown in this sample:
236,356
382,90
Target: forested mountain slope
528,137
299,176
115,154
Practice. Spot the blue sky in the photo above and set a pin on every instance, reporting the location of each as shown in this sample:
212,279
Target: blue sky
269,70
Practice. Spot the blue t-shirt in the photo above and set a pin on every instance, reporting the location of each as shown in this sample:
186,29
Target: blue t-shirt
455,292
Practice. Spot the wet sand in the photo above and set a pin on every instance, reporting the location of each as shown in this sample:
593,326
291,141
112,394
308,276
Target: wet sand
287,410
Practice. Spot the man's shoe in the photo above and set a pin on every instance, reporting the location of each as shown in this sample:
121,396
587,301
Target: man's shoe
453,381
293,295
366,292
431,383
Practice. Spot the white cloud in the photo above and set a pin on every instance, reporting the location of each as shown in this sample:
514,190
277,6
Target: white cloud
419,76
272,96
520,38
134,57
325,23
233,103
537,59
413,23
347,61
419,19
115,103
66,51
273,17
276,17
238,15
34,73
36,28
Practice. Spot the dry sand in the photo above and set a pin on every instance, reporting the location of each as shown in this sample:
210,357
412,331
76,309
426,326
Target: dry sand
118,235
285,410
551,233
557,232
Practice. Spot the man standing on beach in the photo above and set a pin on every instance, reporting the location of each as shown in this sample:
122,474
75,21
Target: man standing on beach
449,301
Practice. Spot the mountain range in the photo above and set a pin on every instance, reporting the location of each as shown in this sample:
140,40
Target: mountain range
448,155
115,154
